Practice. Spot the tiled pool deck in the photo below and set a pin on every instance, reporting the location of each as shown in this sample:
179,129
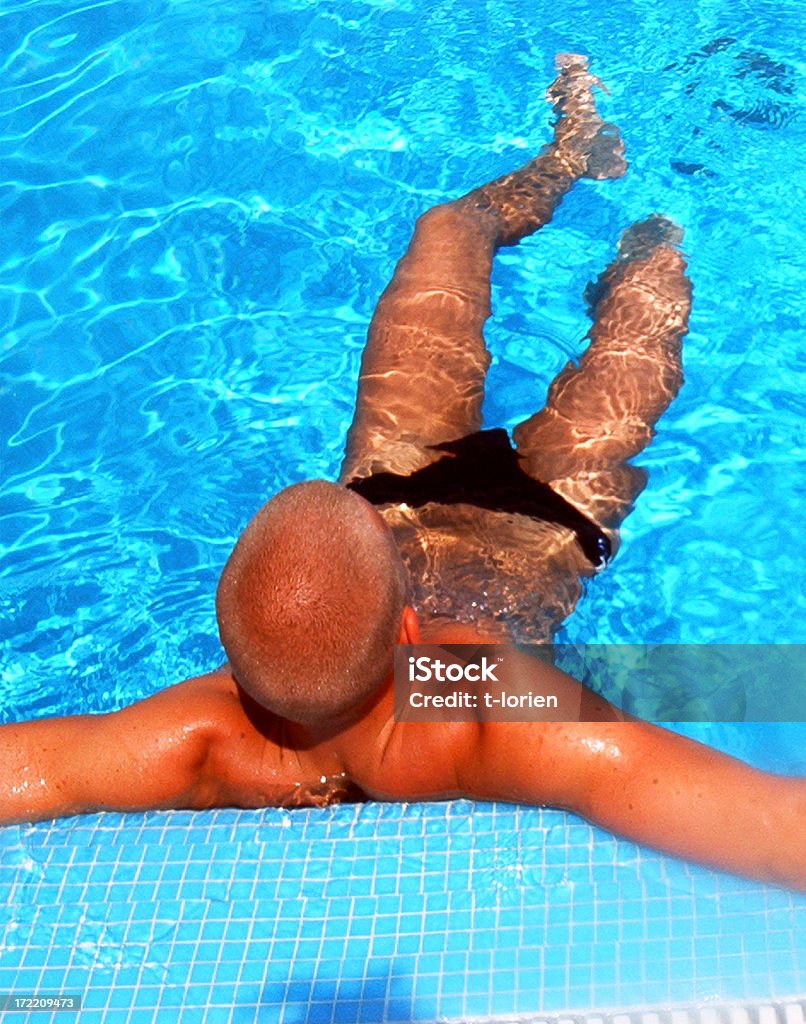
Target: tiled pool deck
375,913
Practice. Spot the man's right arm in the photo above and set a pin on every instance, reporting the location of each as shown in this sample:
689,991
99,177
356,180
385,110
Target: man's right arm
639,781
654,787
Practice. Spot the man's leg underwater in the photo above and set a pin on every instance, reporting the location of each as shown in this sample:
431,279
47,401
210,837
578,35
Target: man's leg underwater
601,412
423,370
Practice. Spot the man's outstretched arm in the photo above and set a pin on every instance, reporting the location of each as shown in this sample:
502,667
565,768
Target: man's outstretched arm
153,754
654,787
637,780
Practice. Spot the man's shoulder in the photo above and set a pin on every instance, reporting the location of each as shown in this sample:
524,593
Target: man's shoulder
403,760
249,761
216,704
204,714
202,700
189,717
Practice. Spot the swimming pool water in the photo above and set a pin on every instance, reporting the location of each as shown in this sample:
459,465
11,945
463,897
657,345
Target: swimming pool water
201,203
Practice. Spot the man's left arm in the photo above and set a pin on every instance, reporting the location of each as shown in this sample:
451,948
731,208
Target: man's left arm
634,779
153,754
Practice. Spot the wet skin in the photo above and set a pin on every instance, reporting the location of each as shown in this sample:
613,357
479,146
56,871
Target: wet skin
423,376
206,743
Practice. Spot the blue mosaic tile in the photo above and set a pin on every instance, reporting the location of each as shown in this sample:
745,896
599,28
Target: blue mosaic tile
151,914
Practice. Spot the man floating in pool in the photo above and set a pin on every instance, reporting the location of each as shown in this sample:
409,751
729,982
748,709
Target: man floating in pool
443,534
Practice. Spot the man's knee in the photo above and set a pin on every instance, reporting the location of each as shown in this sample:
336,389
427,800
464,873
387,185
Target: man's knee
443,221
461,223
449,258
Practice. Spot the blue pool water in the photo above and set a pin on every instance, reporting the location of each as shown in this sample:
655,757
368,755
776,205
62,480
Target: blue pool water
200,204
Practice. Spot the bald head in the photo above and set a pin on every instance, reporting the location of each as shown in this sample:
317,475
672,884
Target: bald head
310,603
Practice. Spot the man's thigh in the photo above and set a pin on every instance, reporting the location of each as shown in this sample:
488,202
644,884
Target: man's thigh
602,412
423,369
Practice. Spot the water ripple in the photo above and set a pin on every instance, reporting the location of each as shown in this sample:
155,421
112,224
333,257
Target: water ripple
201,204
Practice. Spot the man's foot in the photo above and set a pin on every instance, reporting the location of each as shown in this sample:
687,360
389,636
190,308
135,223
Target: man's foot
586,144
641,238
654,244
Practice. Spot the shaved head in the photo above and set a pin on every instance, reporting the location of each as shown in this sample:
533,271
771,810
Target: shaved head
310,603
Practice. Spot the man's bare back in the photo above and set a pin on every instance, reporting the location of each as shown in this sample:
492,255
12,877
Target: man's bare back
303,714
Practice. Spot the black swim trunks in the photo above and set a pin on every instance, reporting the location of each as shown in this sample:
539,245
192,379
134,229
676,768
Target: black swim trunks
483,469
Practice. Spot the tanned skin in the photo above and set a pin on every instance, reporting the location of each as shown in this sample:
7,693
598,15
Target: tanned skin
205,743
